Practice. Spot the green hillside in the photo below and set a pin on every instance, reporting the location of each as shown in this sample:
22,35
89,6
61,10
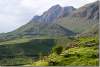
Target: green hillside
82,52
61,51
92,31
76,24
38,29
71,40
21,49
29,46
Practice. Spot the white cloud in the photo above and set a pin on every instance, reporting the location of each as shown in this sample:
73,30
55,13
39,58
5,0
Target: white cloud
14,13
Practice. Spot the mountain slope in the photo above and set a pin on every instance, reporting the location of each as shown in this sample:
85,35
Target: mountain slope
84,50
76,24
89,11
43,29
42,25
39,29
59,21
81,19
94,30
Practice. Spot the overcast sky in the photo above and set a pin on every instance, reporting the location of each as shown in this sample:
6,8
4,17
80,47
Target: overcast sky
14,13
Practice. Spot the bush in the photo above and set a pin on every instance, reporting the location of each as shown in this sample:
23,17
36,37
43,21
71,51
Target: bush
53,63
57,49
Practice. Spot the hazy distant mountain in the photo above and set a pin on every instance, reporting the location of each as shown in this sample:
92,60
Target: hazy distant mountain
89,11
81,19
54,13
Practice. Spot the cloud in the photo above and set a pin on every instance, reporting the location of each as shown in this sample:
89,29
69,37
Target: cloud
14,13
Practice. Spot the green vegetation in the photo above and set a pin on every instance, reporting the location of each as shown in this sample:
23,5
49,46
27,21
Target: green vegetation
57,49
71,40
40,63
17,61
27,47
33,29
76,24
31,48
79,55
65,51
51,51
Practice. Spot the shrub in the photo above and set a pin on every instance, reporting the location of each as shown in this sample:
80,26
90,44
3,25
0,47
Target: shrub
57,49
53,63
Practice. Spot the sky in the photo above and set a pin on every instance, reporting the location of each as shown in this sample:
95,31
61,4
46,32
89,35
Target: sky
15,13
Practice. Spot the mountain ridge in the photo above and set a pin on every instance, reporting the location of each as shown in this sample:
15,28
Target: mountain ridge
53,13
89,11
54,22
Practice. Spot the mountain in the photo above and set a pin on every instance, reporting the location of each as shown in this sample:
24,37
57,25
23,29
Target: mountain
59,21
34,27
43,37
81,19
38,29
89,11
93,31
53,13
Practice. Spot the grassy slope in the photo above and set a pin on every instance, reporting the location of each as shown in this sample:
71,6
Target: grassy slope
38,29
26,47
91,31
83,55
82,51
76,24
17,51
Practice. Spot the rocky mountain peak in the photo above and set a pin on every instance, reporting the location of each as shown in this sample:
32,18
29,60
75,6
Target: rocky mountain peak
89,11
53,13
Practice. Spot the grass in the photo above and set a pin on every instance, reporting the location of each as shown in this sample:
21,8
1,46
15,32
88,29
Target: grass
28,47
24,40
17,61
76,56
76,24
40,63
80,55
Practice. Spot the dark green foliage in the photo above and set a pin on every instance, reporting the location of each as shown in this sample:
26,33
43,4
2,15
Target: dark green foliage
53,63
30,48
57,49
17,61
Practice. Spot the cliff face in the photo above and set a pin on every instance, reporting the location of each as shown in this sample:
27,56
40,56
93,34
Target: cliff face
53,13
89,11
